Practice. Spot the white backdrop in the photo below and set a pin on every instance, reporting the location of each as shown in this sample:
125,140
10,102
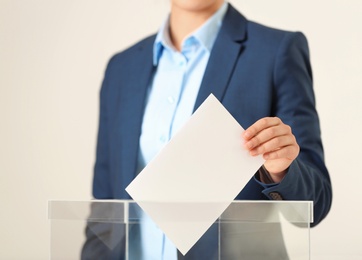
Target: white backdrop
52,57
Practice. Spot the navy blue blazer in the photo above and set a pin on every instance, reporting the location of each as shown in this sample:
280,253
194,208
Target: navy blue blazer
256,72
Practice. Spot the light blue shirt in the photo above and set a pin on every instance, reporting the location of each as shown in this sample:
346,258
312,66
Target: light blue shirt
171,99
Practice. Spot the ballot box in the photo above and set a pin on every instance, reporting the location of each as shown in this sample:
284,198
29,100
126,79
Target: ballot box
114,229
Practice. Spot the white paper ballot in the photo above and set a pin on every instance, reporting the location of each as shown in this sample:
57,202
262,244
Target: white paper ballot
196,176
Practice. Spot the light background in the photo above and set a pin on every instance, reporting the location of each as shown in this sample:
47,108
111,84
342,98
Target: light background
52,57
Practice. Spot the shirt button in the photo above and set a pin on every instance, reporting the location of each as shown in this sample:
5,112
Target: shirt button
163,138
171,100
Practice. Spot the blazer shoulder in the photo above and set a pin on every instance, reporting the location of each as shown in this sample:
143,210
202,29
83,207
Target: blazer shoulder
271,35
240,28
129,54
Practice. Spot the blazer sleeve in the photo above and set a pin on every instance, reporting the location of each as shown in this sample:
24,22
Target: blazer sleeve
101,179
307,177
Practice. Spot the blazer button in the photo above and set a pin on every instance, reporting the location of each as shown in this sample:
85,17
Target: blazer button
275,195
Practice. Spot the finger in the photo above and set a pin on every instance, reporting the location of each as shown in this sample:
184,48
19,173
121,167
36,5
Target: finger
289,152
274,144
260,125
267,135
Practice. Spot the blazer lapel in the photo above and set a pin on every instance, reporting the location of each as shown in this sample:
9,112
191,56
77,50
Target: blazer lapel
226,51
139,78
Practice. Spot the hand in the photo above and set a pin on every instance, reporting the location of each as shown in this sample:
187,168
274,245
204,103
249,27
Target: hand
273,139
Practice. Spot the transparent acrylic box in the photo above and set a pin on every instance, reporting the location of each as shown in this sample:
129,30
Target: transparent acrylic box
109,229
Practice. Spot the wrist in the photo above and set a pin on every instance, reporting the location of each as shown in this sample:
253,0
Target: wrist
268,177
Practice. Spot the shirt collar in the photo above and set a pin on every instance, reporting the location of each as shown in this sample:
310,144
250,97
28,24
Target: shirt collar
206,34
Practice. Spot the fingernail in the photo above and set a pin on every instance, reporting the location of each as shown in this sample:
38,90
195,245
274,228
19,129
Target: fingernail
253,153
